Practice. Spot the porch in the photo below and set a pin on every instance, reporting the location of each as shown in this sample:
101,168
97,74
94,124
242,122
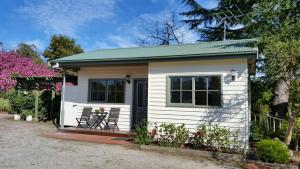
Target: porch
123,87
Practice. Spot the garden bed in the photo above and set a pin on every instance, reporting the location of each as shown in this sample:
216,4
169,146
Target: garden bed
226,157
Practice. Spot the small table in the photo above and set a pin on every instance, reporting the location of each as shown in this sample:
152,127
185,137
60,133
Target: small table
100,120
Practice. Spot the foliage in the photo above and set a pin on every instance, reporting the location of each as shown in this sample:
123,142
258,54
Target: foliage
21,101
61,46
215,138
4,105
170,135
30,51
26,112
218,138
198,139
261,95
295,134
210,22
258,131
272,151
270,16
143,136
282,53
12,63
277,23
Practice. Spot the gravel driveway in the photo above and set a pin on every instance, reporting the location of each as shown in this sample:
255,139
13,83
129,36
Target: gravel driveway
22,147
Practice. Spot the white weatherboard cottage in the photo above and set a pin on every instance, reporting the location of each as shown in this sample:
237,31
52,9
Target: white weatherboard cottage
204,83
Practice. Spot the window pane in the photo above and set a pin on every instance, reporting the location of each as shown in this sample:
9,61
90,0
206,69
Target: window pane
186,97
98,90
200,83
186,83
119,85
214,98
214,83
111,96
175,83
140,94
107,91
101,96
94,93
111,93
115,91
111,85
200,98
120,97
175,97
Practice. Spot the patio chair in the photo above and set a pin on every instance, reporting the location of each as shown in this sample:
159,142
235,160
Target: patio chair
85,117
113,117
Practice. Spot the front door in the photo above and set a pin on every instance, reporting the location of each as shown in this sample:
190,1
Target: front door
140,101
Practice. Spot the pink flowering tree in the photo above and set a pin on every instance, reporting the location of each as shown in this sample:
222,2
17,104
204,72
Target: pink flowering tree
13,64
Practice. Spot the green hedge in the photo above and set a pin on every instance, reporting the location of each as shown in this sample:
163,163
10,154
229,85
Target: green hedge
21,101
4,105
272,151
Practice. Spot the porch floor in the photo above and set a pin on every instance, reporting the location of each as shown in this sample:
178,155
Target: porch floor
87,131
89,138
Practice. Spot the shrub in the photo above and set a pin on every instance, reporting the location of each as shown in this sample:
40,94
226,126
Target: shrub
21,101
25,113
142,137
172,136
216,138
4,105
45,103
198,139
272,151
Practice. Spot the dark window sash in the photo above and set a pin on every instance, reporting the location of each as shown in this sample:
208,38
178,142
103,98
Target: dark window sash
114,90
208,101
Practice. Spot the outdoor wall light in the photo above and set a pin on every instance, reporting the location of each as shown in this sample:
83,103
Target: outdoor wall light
128,79
233,74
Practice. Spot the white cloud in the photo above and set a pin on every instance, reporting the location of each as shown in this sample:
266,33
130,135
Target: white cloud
102,45
188,35
129,33
66,16
40,45
209,4
122,42
37,43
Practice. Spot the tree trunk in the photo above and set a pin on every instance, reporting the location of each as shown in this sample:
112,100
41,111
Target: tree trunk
297,144
289,130
281,98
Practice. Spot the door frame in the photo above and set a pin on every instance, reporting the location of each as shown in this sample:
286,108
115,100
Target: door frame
133,111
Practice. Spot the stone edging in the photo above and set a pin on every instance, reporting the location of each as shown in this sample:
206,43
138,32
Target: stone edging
263,165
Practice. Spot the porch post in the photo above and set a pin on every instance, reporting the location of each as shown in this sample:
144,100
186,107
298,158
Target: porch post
52,101
62,108
36,105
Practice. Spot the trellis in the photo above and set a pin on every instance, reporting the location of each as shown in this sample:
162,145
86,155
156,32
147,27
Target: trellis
38,85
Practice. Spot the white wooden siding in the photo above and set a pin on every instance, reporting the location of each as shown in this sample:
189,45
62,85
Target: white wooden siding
77,96
234,111
233,114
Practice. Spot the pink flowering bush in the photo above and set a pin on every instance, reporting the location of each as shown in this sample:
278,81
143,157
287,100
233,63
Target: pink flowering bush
13,64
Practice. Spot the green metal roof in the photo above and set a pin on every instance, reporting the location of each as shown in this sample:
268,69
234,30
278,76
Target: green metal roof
238,48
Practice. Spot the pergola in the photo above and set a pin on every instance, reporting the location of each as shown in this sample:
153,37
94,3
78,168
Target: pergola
38,84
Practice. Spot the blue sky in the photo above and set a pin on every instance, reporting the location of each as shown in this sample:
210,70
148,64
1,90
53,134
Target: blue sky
93,24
